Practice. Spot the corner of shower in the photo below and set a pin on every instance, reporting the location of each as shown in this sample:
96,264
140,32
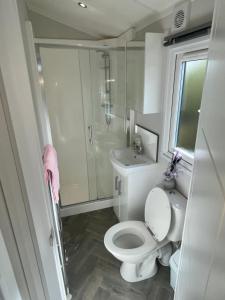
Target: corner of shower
85,101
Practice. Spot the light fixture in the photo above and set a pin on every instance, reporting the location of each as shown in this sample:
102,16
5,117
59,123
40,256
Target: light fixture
82,4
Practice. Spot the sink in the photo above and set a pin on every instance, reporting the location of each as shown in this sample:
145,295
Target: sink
127,161
128,158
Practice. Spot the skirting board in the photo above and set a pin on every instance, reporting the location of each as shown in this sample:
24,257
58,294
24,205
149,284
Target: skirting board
80,208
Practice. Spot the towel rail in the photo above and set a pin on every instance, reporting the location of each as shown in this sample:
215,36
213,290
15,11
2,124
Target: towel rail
57,228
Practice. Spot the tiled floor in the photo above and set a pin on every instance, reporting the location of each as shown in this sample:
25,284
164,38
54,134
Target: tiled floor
93,273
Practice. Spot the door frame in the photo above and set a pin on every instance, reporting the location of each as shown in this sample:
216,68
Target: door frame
13,203
15,282
27,158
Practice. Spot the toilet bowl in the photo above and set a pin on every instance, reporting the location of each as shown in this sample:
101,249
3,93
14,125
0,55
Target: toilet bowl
137,244
131,243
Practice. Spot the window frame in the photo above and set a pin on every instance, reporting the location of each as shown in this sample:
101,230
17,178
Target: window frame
175,55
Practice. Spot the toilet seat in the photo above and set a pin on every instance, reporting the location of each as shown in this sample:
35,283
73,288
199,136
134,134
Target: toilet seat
158,213
136,230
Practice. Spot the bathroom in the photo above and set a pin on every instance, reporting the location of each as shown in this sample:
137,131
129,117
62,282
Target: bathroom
115,94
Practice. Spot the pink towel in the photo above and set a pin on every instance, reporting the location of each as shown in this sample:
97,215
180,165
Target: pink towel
51,171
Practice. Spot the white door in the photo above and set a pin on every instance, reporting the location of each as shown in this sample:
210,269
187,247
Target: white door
63,91
202,266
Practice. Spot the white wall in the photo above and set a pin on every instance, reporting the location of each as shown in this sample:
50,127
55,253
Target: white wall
44,27
201,12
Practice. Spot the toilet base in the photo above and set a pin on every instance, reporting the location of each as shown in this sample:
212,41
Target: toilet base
138,272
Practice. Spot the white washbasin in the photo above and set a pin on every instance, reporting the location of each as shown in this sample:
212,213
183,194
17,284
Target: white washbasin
126,161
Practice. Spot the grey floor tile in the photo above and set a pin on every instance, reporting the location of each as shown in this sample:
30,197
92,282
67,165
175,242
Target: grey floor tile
93,273
101,294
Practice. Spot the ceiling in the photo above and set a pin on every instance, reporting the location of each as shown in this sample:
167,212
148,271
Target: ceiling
101,18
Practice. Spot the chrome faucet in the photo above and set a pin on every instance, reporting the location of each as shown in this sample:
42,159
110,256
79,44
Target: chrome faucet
137,144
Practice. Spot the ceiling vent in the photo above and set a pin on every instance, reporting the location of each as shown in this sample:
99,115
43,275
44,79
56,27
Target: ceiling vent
181,17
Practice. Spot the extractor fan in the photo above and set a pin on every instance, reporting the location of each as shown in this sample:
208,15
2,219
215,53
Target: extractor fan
181,17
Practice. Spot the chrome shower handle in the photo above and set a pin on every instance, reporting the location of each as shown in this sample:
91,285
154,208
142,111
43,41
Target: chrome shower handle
90,133
119,187
116,183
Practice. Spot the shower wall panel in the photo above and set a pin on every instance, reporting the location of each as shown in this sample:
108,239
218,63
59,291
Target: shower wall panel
63,91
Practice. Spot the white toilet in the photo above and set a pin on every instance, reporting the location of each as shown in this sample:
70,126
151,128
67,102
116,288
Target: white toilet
138,244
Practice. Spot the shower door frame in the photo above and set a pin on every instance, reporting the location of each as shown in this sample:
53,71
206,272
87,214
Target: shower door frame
96,204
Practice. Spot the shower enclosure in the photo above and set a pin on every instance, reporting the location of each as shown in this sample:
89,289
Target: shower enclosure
85,103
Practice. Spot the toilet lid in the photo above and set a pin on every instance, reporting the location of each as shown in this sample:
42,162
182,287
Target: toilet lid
158,213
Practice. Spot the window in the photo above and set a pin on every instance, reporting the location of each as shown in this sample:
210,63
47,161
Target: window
189,75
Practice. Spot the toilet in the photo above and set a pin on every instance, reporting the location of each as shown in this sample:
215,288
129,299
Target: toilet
138,244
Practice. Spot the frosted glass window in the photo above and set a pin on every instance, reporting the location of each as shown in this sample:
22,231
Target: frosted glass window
191,87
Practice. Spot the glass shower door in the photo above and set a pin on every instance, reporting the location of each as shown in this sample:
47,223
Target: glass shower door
109,106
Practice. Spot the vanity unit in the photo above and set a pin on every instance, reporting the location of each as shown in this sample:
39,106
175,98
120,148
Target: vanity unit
133,176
